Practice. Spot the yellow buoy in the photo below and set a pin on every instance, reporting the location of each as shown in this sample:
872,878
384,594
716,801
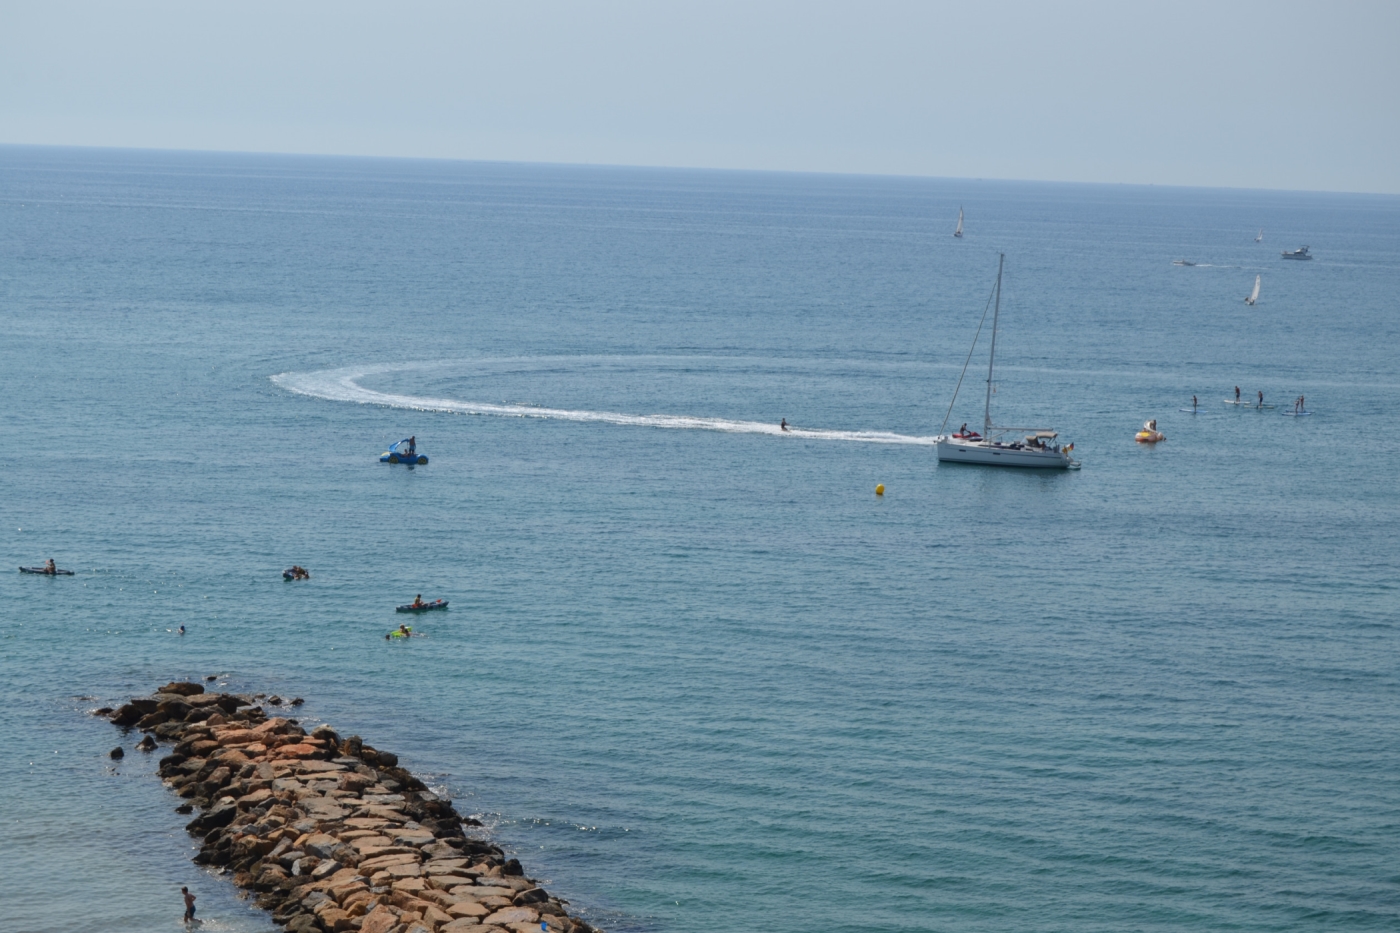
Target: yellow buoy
880,489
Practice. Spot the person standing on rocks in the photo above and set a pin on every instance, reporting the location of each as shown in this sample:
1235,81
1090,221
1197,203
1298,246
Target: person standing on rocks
189,905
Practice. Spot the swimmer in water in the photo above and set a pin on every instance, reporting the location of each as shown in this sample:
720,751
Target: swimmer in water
181,631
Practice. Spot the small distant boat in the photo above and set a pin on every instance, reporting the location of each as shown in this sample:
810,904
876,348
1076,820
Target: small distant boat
1299,253
1254,295
1182,262
1149,433
44,571
296,573
423,607
1260,237
958,232
403,452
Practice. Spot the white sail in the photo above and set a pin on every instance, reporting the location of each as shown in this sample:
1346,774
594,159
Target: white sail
1260,237
1254,295
958,232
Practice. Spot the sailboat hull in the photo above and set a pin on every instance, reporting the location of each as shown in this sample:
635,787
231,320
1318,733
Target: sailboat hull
990,454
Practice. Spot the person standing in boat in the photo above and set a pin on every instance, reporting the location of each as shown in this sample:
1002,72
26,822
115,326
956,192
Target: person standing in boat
412,445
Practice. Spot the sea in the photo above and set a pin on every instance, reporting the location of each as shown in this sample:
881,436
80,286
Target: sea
695,673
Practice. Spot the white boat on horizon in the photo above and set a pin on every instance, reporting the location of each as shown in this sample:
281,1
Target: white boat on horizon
1254,295
1260,237
958,232
1035,448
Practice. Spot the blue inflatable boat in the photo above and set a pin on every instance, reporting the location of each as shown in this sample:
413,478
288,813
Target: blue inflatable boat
403,452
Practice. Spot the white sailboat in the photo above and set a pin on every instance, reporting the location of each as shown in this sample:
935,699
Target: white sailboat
1254,295
958,232
994,446
1260,237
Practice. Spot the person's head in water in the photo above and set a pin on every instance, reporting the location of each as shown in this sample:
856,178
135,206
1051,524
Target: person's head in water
182,630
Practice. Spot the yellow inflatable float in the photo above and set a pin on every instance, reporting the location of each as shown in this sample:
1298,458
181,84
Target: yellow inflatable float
1149,433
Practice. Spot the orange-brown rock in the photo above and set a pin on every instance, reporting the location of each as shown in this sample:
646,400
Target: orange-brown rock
379,920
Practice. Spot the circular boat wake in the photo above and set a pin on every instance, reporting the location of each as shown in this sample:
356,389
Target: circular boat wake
342,385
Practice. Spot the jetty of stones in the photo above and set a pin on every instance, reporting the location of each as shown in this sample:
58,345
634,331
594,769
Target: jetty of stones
330,833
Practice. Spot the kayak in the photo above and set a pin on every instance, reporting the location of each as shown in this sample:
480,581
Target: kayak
46,573
426,607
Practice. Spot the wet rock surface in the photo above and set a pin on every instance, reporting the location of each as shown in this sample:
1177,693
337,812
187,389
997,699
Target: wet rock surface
330,834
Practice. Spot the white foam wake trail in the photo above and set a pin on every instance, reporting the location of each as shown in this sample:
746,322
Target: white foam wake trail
341,385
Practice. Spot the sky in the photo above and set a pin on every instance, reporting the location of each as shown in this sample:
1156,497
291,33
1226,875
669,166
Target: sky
1272,94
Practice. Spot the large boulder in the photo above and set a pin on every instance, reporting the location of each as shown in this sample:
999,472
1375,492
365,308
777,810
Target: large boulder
216,817
182,687
128,715
379,920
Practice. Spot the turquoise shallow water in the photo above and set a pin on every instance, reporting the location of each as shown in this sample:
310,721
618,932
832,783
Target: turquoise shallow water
696,674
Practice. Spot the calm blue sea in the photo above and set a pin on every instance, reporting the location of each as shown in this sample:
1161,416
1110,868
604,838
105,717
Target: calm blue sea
695,673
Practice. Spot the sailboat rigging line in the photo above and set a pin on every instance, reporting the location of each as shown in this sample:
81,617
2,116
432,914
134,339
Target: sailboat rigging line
943,427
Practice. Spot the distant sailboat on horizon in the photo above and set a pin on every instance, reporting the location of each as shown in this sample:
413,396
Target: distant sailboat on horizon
1254,295
1260,237
958,232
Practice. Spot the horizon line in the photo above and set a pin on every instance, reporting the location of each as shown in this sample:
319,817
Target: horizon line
684,168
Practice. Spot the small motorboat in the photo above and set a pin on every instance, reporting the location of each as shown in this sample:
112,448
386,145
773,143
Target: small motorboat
1149,433
1299,253
1182,262
403,451
296,573
423,607
46,572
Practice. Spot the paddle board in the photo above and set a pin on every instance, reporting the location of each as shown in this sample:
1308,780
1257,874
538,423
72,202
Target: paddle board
1295,414
1192,411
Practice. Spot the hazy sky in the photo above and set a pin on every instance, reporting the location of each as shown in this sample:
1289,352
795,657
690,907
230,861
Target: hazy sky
1270,94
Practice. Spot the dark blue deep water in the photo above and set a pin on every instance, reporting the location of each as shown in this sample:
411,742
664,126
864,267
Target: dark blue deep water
695,673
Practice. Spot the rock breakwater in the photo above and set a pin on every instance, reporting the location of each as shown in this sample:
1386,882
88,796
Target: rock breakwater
328,832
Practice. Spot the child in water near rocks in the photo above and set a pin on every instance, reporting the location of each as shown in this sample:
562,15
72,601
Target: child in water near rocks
189,905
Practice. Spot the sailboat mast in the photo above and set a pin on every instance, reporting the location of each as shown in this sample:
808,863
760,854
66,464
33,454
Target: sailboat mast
991,360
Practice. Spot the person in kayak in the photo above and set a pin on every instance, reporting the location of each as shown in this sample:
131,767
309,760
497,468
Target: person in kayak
418,601
49,567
